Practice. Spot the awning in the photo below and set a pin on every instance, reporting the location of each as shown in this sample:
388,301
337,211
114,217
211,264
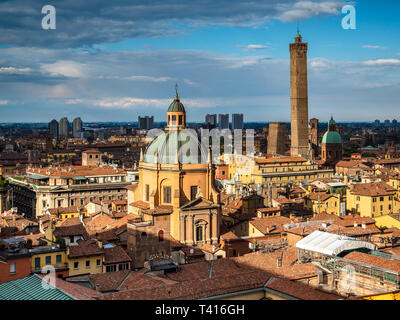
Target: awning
331,244
79,178
37,176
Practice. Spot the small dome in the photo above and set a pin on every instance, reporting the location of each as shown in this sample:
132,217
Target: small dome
176,105
171,143
331,137
332,121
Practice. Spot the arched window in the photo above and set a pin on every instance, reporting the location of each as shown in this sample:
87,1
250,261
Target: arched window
161,235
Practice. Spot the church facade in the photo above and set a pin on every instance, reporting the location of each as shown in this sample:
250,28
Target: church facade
177,184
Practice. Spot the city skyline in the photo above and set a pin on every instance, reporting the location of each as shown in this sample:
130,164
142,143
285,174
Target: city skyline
235,60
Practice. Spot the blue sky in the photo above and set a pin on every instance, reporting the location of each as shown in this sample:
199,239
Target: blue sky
113,61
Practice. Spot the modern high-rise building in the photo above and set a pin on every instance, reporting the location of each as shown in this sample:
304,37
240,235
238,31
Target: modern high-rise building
237,121
63,127
299,98
387,123
276,138
53,128
77,127
377,123
146,123
211,120
223,121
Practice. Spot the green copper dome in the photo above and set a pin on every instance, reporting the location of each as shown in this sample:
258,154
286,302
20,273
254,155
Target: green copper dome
170,145
332,121
331,137
176,105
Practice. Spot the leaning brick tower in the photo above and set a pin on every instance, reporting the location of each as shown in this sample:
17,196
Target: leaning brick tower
299,98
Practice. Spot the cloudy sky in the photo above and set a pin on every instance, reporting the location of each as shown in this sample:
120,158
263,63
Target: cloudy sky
114,60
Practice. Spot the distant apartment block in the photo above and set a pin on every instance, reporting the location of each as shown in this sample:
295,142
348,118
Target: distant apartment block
146,123
223,121
53,128
63,127
77,127
237,121
211,120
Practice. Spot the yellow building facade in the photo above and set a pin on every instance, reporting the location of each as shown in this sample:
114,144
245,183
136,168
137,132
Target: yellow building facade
371,199
280,171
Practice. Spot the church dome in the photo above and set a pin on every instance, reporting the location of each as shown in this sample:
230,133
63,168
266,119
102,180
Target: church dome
331,137
176,105
176,144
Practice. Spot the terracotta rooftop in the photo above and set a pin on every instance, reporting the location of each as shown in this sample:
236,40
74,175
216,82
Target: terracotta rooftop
72,171
140,204
109,281
115,255
84,248
71,230
393,265
279,160
269,224
372,189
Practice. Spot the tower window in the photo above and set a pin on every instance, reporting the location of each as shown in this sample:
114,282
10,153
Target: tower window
173,120
193,192
180,120
161,235
147,192
167,194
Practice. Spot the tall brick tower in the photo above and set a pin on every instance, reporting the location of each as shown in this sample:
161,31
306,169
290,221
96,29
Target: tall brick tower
299,98
276,138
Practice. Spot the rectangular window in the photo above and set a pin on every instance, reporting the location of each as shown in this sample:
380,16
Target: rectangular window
76,265
58,259
167,194
48,260
193,192
87,263
12,267
98,262
373,199
37,263
147,192
381,199
180,120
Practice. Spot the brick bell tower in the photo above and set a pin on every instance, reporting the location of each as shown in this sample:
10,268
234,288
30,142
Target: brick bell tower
299,98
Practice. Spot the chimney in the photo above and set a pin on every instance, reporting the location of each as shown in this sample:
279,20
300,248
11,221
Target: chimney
364,226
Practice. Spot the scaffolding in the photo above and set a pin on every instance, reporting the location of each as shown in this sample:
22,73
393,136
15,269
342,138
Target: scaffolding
365,276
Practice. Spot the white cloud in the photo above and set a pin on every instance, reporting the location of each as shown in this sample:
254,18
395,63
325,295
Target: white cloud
149,78
69,69
308,9
370,46
3,102
382,62
253,47
12,70
73,101
128,102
